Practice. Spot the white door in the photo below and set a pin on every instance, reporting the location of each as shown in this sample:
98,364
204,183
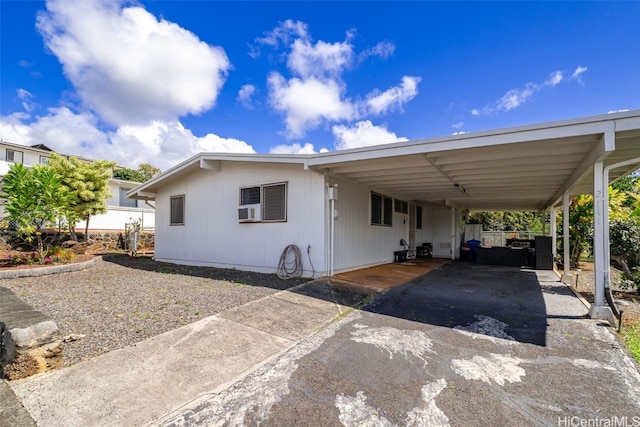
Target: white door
442,232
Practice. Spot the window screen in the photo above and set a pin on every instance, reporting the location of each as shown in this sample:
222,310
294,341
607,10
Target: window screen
14,156
419,217
381,209
274,205
177,210
401,206
125,201
250,196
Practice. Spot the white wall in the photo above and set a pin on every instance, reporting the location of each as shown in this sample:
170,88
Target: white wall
436,229
212,235
359,244
116,218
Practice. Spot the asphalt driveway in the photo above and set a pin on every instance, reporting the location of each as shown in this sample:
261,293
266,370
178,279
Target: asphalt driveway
462,345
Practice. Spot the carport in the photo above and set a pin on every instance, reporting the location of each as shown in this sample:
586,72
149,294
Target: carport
534,167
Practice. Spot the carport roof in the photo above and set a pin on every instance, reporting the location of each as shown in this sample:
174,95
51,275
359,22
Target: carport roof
519,168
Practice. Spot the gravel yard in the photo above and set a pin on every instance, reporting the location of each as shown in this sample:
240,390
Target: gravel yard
123,300
586,288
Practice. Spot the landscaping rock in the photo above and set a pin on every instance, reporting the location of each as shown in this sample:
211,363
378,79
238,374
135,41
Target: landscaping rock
29,340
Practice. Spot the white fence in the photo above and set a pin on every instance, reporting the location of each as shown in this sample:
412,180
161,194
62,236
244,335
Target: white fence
499,238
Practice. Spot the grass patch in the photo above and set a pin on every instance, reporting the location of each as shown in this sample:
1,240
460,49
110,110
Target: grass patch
631,337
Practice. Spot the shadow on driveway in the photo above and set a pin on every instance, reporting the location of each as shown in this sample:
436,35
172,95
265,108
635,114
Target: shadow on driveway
473,297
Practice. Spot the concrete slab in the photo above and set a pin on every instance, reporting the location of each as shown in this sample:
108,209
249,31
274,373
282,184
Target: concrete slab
12,413
292,320
466,345
137,384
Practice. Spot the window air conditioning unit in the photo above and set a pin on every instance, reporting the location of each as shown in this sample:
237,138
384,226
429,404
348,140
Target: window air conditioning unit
249,213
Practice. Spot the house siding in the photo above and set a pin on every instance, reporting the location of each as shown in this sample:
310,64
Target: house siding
213,236
359,244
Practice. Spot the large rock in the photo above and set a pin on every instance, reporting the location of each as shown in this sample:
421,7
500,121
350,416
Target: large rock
29,340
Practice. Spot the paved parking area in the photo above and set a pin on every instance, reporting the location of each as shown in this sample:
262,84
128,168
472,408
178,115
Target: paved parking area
462,345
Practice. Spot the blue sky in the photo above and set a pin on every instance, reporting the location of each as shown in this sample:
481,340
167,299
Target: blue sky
159,81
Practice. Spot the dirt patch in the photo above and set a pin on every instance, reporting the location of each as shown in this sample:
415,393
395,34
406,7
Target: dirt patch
5,264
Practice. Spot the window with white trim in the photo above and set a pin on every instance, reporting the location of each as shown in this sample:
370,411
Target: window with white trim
44,160
400,206
177,210
381,209
14,156
271,198
126,202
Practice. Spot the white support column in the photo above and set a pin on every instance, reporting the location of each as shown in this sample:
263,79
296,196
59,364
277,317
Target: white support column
599,309
454,226
554,231
566,235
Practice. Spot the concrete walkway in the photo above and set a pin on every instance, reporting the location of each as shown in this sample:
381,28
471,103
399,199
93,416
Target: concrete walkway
138,384
465,345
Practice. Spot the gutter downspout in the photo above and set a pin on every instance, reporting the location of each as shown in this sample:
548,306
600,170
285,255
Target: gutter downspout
332,194
607,252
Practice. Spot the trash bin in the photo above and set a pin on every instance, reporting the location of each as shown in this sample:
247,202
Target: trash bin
531,258
473,249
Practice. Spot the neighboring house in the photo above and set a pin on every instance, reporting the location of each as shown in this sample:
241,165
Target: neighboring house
120,208
350,209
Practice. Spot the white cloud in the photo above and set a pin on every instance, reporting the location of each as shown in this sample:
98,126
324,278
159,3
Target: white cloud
363,134
25,96
624,110
458,125
554,78
383,50
296,148
393,98
128,66
245,95
459,133
514,98
316,92
577,75
283,33
162,144
305,102
319,59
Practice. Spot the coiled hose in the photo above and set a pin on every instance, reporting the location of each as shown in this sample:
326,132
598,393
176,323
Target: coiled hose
290,269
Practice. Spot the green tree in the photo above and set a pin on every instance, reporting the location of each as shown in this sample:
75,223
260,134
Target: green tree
508,221
148,171
33,198
88,184
144,173
624,237
126,174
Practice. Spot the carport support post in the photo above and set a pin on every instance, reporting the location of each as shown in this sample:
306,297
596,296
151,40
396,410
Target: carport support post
566,235
554,231
598,309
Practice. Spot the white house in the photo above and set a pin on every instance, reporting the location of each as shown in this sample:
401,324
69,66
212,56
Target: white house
350,209
120,208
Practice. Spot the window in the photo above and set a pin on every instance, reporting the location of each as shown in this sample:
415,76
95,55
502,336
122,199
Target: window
401,206
381,209
419,217
177,210
250,196
44,160
126,202
272,199
14,156
274,206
